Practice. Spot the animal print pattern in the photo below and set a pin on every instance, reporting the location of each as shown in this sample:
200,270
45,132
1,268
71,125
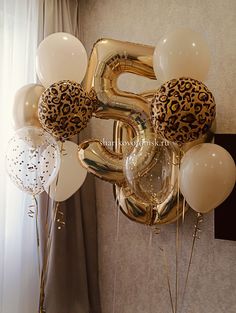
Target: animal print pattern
94,99
65,108
182,110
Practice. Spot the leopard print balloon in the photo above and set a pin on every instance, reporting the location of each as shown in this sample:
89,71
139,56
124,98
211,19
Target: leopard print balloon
65,108
182,110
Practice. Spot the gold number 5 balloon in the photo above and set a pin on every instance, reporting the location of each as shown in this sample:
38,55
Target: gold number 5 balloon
109,59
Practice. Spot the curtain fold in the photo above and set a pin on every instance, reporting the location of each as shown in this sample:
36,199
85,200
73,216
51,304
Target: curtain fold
72,284
19,276
58,16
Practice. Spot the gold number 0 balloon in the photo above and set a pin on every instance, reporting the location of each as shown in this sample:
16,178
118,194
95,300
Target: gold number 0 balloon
109,59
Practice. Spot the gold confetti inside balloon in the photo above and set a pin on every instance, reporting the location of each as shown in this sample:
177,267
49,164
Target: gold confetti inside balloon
32,159
156,182
182,110
65,108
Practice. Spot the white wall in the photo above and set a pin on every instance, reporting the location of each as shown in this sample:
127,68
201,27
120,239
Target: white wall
141,282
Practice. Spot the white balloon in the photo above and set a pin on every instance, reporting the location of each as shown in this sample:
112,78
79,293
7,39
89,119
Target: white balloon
207,176
71,174
25,108
181,53
61,56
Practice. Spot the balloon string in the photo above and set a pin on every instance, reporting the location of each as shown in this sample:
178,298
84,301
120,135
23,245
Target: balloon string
177,241
38,250
181,154
48,228
50,238
195,236
116,251
183,212
42,278
42,294
167,272
37,232
165,261
48,243
47,252
149,265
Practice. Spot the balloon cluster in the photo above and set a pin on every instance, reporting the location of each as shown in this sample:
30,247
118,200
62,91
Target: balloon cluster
158,126
183,110
35,161
165,130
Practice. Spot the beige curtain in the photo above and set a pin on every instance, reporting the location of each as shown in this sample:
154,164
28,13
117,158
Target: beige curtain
72,284
18,244
58,16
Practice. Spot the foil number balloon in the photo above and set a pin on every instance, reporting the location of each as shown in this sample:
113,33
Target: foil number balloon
109,59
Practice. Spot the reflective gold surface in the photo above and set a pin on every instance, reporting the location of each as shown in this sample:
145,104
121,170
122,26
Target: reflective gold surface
109,59
141,211
101,162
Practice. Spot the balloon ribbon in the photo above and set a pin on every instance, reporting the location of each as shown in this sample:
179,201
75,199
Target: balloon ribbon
168,278
116,251
48,243
195,236
177,241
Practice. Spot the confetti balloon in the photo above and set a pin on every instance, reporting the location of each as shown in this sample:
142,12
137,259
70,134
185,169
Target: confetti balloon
65,108
182,110
155,183
32,159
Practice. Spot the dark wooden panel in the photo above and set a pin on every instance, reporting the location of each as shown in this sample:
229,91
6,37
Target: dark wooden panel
225,214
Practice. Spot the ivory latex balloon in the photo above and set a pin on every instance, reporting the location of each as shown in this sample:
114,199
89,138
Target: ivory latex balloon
25,108
71,174
61,56
207,176
181,53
